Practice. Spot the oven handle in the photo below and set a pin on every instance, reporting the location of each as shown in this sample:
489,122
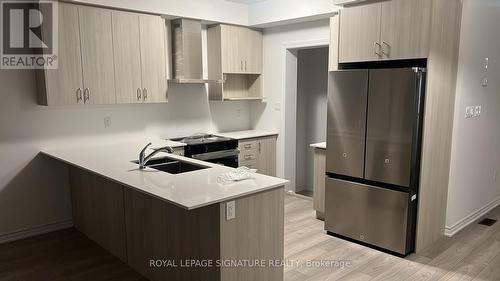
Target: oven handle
216,154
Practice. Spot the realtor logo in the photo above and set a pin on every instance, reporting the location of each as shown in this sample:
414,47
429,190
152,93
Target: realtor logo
29,35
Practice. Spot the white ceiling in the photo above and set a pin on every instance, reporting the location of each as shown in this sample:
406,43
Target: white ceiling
246,1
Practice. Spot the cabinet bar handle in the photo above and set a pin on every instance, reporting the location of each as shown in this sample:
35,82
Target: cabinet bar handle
388,49
245,65
145,94
241,65
139,94
376,46
86,95
79,95
247,146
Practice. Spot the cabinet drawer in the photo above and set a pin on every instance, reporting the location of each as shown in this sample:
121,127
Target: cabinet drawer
248,155
248,145
252,164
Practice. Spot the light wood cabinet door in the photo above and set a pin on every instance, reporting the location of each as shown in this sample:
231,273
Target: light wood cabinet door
97,55
319,181
253,58
405,29
231,51
360,33
127,57
266,160
153,58
333,48
64,85
98,210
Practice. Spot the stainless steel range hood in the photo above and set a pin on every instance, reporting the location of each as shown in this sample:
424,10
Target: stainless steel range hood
187,66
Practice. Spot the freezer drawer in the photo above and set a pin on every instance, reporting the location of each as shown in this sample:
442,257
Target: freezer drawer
347,101
368,214
391,121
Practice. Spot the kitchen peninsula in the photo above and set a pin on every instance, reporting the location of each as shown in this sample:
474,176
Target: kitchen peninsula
146,216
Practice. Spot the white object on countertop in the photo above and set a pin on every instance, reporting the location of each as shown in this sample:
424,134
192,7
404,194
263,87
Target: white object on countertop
239,174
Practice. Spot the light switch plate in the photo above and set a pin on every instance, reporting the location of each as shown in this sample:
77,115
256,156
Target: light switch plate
230,210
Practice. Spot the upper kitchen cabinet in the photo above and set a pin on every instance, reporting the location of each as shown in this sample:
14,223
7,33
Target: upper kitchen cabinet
153,58
96,38
64,85
360,33
127,57
85,73
253,61
405,29
140,58
235,57
241,49
397,29
333,48
106,57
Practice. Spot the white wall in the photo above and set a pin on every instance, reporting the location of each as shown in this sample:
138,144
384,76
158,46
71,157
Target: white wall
34,190
281,11
269,115
210,10
312,90
476,141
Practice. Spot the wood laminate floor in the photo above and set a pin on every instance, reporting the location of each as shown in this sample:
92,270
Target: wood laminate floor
473,254
65,255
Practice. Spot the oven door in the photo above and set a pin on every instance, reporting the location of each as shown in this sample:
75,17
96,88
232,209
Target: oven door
225,157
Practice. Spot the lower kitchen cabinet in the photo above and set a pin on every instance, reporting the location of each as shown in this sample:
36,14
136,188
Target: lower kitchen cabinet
319,182
259,153
98,205
139,229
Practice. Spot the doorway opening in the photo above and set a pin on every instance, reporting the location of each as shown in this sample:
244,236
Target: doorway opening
305,114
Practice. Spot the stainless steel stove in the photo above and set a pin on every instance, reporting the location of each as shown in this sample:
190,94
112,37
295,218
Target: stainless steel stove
211,148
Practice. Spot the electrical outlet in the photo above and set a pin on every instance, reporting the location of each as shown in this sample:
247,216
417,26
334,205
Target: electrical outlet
469,112
107,122
277,106
485,82
230,210
477,111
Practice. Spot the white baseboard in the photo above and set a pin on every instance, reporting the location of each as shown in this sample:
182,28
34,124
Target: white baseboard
452,230
33,231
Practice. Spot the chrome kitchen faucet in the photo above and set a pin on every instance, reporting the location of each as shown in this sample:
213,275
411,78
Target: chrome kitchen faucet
143,160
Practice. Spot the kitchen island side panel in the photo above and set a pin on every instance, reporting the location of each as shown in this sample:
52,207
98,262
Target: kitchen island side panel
256,233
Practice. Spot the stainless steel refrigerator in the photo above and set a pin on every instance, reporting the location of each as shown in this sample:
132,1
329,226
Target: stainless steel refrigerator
373,156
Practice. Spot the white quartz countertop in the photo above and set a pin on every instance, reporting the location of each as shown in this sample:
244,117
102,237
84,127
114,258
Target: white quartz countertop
321,145
188,190
247,134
